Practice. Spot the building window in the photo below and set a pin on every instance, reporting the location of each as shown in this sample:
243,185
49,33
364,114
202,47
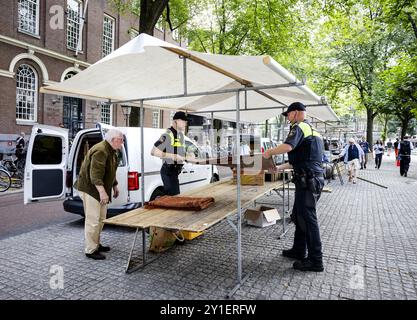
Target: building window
133,33
26,93
155,118
70,75
108,35
74,10
106,113
28,16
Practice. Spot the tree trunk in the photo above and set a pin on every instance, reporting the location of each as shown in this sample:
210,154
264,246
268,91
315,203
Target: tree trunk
150,11
384,132
369,125
404,127
266,128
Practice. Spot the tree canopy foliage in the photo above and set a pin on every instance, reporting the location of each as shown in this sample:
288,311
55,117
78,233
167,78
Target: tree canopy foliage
359,53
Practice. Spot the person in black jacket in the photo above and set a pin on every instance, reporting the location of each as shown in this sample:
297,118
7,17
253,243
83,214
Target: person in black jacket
404,153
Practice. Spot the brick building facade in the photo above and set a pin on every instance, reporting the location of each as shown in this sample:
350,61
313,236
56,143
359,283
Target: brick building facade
38,46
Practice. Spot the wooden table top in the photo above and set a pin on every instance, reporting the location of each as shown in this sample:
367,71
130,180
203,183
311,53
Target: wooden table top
224,193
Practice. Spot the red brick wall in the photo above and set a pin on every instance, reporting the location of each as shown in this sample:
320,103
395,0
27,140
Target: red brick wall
55,40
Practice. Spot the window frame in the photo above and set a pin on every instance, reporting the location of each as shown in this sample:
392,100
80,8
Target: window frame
37,17
80,36
154,112
103,35
35,95
110,113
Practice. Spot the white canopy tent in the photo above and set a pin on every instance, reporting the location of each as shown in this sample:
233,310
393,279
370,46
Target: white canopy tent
158,74
147,68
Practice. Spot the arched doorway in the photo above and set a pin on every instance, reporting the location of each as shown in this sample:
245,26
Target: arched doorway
72,112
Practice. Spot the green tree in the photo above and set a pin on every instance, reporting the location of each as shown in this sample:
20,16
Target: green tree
401,90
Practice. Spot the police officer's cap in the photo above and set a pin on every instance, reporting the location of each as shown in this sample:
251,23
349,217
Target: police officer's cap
293,107
180,115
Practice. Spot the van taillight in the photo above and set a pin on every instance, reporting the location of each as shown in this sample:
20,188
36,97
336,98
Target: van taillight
68,179
133,181
262,149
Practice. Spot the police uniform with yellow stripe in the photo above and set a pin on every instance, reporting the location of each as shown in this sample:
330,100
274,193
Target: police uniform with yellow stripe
305,158
171,141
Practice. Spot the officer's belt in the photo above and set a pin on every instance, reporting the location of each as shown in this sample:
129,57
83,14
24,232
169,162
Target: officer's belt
298,174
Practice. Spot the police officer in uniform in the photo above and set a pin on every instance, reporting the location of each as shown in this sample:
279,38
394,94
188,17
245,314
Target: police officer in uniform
171,149
304,146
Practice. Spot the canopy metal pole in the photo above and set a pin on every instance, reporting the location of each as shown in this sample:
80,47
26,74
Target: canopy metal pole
212,143
204,93
184,73
239,213
142,153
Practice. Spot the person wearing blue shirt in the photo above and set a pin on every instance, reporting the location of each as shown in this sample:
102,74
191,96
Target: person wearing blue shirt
352,156
365,147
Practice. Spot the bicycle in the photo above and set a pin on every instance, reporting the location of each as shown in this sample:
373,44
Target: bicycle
15,169
5,180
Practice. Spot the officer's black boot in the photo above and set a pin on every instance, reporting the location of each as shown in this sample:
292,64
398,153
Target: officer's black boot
293,254
309,265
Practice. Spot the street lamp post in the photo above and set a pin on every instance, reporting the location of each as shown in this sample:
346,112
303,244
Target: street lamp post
126,112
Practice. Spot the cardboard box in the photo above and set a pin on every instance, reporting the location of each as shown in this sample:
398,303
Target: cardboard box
262,216
250,178
188,235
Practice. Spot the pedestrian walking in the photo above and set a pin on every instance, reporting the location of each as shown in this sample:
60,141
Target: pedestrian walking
366,150
353,156
379,151
389,147
404,153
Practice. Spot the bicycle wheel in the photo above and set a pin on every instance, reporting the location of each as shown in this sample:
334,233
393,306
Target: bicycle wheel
5,180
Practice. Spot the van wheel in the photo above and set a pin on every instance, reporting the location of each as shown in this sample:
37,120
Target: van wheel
214,178
157,193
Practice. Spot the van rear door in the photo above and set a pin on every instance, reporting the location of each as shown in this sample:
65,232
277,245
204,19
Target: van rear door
46,160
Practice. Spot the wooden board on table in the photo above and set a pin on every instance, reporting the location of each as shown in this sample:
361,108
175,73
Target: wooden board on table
225,204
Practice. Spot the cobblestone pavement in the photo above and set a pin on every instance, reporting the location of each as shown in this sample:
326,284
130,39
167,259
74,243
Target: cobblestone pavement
369,237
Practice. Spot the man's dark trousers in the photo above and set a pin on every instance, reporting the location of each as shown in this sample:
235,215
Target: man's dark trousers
170,180
307,235
404,164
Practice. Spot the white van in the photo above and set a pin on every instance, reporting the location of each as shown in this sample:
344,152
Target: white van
51,168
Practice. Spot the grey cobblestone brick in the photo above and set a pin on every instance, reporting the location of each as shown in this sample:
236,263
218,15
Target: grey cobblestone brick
363,228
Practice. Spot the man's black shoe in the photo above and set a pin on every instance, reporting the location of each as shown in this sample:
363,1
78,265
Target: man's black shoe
405,174
291,253
96,255
103,248
308,265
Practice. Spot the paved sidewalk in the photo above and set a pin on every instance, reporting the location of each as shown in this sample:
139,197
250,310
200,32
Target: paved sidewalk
369,239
